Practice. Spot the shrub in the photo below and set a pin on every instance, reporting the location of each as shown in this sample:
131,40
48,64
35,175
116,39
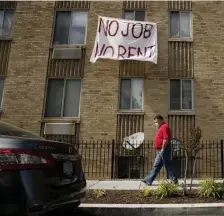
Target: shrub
166,189
100,193
209,188
146,191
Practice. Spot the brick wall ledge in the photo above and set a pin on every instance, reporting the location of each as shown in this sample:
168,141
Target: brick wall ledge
75,120
181,113
8,38
131,113
181,39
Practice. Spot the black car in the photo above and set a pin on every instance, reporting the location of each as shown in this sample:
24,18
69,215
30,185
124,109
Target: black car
38,175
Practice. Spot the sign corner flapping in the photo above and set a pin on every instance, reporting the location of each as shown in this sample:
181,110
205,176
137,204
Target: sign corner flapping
121,39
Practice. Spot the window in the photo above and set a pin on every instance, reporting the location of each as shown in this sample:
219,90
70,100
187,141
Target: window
180,24
63,98
6,17
131,94
2,81
181,94
70,27
137,15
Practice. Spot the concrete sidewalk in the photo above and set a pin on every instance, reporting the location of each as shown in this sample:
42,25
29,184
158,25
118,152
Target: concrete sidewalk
130,184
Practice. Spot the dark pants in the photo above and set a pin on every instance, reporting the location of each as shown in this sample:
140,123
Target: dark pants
162,159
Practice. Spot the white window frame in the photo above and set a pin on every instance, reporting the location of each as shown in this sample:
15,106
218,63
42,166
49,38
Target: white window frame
71,11
130,109
63,98
134,11
191,27
181,97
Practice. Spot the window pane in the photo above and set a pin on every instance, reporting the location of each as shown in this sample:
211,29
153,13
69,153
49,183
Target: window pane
186,94
1,90
129,15
54,98
185,21
7,24
137,92
62,26
140,15
1,21
78,28
175,94
174,24
72,98
125,94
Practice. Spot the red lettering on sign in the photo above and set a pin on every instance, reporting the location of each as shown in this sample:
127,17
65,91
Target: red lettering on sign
147,30
135,30
110,28
121,51
130,53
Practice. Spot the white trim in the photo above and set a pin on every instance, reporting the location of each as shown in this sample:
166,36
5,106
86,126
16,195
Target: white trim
130,108
133,206
63,95
191,24
71,11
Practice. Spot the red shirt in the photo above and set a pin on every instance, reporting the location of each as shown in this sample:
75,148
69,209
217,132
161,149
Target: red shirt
163,132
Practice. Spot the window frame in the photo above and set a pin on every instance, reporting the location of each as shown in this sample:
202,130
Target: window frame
63,97
181,96
54,25
119,98
134,10
191,25
8,36
1,100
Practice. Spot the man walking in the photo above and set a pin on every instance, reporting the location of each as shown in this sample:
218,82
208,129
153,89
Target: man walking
162,144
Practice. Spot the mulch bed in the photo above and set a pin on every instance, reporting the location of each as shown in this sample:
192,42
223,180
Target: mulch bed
136,197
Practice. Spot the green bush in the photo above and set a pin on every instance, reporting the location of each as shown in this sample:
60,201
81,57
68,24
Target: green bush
166,189
146,191
209,188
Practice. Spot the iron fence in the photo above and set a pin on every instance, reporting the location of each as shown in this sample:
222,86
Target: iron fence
108,159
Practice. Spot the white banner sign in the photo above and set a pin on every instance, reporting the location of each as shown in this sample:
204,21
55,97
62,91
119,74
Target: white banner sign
121,39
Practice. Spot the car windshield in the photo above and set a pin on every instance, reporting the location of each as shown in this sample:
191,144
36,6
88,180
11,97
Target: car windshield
11,130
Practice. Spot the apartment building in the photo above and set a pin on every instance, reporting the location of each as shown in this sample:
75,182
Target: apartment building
48,85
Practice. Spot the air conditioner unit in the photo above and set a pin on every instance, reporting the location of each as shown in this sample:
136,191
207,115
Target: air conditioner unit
59,129
67,53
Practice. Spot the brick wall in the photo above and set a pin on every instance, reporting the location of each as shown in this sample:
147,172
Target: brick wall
25,83
208,67
100,83
28,59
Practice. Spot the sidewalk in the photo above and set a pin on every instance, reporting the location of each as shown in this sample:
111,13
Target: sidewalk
130,184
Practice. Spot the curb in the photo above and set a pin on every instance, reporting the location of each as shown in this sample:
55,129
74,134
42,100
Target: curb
196,209
188,205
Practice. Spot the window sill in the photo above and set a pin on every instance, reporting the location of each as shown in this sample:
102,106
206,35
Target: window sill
7,38
131,112
181,39
61,120
181,112
69,46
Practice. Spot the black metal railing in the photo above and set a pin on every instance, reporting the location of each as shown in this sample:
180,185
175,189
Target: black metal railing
108,159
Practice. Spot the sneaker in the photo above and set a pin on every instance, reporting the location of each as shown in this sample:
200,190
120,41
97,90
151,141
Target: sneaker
175,181
145,182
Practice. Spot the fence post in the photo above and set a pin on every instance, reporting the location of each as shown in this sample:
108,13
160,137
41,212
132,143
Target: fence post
112,159
222,158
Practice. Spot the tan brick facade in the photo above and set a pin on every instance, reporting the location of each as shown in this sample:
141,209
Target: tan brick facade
28,67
